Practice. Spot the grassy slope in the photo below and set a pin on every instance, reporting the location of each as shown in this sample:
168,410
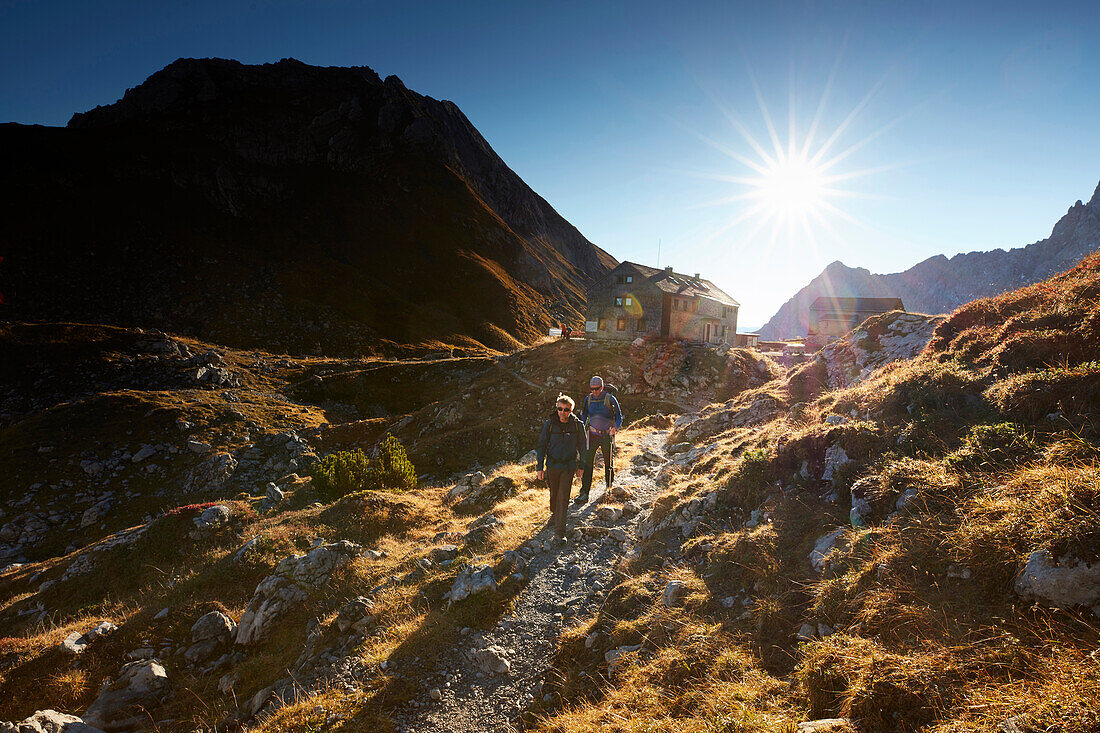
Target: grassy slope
992,432
80,392
995,431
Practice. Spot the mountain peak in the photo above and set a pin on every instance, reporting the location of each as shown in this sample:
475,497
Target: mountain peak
359,192
939,285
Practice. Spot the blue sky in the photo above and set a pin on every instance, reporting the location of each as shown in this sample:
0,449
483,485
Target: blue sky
974,125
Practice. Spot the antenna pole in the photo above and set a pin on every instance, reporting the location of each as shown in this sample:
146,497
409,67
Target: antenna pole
658,252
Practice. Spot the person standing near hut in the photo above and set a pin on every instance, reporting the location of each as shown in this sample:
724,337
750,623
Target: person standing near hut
563,445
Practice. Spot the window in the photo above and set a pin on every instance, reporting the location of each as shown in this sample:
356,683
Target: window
621,324
641,324
629,302
619,302
630,278
601,324
619,279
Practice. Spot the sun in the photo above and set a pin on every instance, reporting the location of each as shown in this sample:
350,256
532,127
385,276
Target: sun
792,186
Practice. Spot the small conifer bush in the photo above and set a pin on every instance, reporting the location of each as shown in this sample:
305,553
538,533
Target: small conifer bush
393,468
346,472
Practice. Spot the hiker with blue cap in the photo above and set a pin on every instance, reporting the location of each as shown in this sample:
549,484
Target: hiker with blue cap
602,416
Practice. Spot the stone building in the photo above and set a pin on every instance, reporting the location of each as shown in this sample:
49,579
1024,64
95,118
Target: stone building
635,300
831,318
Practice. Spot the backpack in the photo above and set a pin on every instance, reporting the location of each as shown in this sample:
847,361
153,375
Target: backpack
610,389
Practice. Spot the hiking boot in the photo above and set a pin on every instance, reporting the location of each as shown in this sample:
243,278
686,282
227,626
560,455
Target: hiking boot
581,499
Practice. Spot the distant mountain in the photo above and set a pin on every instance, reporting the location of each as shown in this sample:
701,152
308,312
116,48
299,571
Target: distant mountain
939,284
286,206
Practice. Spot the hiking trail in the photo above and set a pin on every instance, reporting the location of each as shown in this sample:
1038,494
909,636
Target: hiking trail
566,581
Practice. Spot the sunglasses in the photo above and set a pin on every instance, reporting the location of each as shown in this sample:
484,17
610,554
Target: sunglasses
594,389
565,409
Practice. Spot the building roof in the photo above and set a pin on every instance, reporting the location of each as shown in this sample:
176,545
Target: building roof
856,305
686,286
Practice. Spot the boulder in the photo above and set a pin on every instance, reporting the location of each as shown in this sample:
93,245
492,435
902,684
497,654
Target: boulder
835,458
488,494
210,474
615,657
293,577
124,704
674,593
827,725
443,553
198,446
77,642
466,483
823,547
472,580
49,721
609,513
95,513
145,452
355,614
212,518
1062,584
210,635
482,529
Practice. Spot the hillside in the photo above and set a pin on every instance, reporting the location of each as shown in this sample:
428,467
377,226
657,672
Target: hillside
939,284
899,535
288,207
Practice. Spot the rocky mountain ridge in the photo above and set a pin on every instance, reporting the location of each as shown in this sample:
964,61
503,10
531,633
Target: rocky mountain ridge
940,284
284,206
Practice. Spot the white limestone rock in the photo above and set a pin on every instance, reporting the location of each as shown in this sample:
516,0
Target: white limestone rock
1063,584
123,705
824,546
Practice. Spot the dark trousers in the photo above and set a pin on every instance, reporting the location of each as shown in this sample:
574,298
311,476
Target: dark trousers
561,483
595,442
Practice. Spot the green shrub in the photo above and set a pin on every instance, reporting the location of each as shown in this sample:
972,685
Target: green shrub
346,472
393,468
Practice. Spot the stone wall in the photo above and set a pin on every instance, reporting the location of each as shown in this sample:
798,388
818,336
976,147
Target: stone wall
645,303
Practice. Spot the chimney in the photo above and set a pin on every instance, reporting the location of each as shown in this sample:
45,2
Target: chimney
668,270
696,276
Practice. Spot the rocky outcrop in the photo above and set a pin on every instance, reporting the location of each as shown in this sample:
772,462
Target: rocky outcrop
940,285
1062,584
76,642
124,704
472,580
49,721
293,579
880,340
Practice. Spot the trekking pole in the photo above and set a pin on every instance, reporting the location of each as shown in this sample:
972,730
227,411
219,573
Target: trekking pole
609,469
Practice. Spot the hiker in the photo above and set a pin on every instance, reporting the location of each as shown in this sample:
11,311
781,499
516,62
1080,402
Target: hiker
602,416
563,445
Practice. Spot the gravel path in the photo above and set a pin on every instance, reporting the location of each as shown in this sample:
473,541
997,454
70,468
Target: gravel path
566,581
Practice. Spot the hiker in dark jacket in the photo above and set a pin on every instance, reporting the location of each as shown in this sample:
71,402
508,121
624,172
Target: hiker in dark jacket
563,445
602,416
